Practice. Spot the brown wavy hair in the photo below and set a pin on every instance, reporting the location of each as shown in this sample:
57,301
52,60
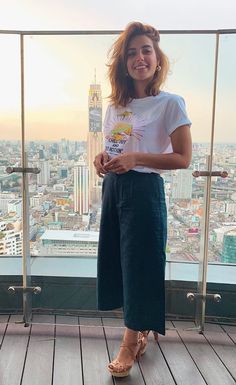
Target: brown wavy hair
122,87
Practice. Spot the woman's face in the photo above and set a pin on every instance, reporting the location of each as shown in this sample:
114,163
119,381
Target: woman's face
141,59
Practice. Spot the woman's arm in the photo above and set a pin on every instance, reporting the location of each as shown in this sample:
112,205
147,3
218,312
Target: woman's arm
179,158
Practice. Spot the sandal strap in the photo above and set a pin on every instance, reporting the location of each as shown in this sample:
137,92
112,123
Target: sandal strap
118,366
129,346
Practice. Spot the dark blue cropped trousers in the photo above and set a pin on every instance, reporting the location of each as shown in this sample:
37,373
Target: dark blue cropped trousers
131,250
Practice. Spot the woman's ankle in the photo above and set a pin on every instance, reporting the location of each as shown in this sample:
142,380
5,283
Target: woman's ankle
130,336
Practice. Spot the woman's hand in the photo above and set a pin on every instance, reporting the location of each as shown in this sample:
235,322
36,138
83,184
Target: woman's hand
99,162
121,163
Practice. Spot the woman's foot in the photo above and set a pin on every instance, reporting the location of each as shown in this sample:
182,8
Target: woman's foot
128,353
144,334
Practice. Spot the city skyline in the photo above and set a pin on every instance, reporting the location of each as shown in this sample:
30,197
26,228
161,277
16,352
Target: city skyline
53,203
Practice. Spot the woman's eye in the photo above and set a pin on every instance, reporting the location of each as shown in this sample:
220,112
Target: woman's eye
131,53
147,50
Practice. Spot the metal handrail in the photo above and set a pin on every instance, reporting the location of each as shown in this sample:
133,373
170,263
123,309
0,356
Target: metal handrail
115,32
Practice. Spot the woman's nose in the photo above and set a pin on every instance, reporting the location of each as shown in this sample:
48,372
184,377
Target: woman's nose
140,55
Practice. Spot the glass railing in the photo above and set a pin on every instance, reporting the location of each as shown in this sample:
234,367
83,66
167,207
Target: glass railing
65,90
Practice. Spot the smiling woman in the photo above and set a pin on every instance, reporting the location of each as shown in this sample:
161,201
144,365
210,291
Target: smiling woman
146,131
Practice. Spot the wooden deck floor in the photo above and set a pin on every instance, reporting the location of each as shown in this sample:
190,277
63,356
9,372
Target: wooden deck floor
77,352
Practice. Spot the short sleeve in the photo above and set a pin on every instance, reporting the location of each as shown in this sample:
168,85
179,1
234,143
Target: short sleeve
175,115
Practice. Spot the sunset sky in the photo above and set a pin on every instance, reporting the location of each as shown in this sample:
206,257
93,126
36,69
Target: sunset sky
59,69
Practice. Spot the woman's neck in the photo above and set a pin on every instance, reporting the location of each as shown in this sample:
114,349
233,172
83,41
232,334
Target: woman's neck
140,90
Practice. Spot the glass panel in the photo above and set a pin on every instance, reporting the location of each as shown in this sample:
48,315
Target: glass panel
10,184
222,235
66,89
222,246
191,77
192,73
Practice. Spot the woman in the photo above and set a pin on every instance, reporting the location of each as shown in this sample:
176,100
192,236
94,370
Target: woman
146,130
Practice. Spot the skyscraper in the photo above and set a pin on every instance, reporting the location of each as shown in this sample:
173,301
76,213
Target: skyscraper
229,247
81,189
44,175
182,184
95,140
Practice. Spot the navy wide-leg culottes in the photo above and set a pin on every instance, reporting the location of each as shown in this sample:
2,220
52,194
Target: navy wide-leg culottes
131,250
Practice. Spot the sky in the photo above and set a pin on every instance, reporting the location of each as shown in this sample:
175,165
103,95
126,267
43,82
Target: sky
91,14
59,69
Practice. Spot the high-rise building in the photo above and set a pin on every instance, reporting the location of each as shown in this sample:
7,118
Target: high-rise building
229,247
44,175
10,240
63,172
81,189
41,154
182,184
95,140
64,148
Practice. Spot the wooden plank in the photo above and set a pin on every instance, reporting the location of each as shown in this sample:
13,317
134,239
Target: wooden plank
3,326
94,353
175,354
39,360
211,367
231,331
153,364
223,346
67,361
114,337
13,351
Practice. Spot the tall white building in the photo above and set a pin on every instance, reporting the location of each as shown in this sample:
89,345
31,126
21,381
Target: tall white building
95,140
182,184
44,175
81,188
10,241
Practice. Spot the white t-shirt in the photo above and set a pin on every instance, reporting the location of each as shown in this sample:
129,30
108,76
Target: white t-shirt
144,125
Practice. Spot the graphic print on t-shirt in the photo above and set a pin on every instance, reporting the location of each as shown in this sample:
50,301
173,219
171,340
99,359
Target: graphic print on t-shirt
120,129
